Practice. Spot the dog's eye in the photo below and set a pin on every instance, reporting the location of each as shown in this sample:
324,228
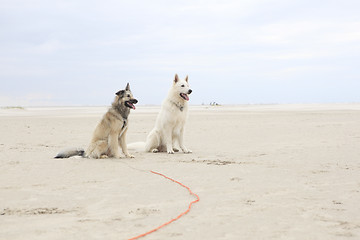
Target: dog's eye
183,85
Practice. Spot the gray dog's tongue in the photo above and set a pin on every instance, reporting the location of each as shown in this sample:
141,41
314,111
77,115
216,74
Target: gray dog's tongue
129,104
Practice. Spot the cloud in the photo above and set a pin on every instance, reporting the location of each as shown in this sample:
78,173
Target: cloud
48,47
60,47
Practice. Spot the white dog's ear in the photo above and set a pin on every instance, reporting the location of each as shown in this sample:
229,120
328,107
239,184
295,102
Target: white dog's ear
186,79
127,87
176,78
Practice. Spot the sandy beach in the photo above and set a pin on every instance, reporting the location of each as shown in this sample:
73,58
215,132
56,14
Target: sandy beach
261,172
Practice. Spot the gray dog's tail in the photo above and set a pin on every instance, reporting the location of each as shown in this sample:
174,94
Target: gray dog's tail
70,153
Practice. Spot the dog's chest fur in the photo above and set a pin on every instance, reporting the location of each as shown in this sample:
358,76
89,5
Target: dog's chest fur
178,111
117,122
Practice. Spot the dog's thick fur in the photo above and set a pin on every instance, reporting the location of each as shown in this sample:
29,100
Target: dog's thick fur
110,133
168,132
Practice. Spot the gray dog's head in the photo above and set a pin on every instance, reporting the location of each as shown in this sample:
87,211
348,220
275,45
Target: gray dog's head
125,97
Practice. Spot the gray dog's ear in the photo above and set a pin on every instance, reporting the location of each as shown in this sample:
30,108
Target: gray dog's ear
127,87
120,93
176,78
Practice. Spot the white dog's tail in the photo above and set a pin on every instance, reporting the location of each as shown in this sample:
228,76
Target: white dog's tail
139,146
70,152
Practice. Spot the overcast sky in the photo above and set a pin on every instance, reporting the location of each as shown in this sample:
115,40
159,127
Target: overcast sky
70,52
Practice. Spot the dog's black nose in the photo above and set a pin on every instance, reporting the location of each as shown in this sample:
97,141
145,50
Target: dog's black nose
134,101
190,91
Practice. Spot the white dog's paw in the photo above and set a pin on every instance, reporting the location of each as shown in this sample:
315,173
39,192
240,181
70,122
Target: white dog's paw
188,151
170,151
155,150
185,150
130,156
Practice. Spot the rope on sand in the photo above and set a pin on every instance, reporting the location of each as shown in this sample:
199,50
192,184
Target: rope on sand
176,218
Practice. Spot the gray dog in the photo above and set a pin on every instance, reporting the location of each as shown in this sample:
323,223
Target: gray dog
110,133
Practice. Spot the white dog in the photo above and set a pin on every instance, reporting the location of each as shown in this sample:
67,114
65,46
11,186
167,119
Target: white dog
168,132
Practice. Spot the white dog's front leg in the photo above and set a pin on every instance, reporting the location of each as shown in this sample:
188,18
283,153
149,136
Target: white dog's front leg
181,142
168,141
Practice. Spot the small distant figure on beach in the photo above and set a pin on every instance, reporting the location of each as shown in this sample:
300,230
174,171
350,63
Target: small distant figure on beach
214,104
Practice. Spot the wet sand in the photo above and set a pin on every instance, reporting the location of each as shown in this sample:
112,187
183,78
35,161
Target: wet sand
261,172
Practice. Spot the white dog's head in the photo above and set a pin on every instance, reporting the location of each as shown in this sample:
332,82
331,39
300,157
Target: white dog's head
182,87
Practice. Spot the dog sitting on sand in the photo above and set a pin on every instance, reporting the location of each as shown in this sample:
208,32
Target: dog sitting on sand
168,132
110,133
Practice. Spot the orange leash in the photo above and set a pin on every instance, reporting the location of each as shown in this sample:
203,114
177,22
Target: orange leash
174,219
